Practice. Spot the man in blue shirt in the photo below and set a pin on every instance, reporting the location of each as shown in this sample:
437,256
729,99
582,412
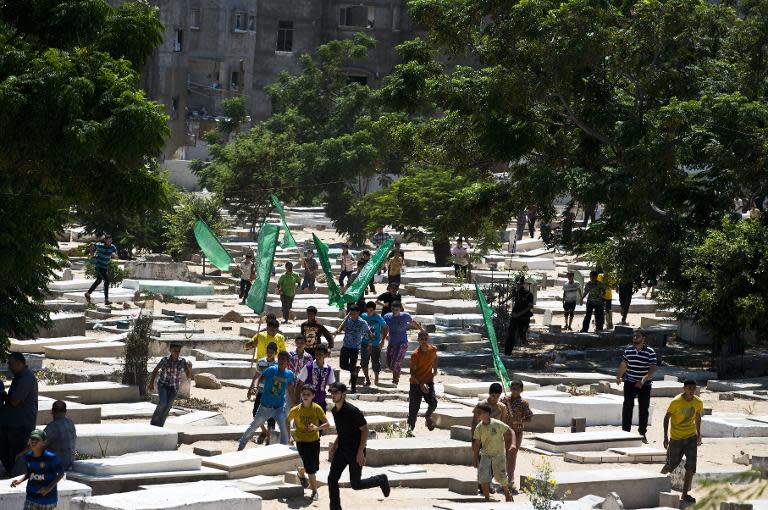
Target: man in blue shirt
354,327
19,412
371,351
276,381
102,253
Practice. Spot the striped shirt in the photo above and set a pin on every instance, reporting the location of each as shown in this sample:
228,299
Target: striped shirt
380,237
638,363
103,254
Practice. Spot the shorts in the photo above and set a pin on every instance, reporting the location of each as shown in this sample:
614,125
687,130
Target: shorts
310,455
374,357
607,303
678,448
31,505
492,466
569,306
393,278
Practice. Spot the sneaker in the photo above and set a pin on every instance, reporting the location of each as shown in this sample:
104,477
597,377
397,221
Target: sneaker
430,423
304,481
688,499
385,489
108,303
88,298
644,440
262,437
315,496
409,433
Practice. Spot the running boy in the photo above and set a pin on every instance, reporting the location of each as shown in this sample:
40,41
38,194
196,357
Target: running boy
276,379
319,375
354,328
257,386
287,285
491,441
371,350
309,419
264,338
170,367
44,472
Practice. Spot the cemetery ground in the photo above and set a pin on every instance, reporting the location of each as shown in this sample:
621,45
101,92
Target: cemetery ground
567,375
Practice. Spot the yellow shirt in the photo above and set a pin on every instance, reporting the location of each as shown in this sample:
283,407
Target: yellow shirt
682,422
262,340
395,265
304,417
610,282
491,437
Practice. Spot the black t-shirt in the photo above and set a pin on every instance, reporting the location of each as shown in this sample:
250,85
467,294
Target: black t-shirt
312,332
388,298
523,300
348,421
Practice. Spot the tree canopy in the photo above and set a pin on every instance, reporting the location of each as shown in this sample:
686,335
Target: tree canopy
76,134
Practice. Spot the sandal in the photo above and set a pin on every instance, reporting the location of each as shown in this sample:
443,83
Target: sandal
304,481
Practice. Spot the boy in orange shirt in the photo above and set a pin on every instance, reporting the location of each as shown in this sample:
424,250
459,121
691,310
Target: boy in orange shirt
423,372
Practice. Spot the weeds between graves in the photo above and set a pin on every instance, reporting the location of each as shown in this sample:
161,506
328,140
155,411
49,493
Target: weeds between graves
748,485
50,376
199,404
395,431
542,488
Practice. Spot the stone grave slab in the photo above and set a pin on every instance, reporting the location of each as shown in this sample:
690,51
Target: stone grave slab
216,342
198,419
375,422
62,286
636,488
414,450
226,369
732,386
266,487
196,497
169,287
413,477
531,263
440,292
447,418
110,439
658,389
555,378
423,276
642,453
142,462
557,442
77,412
12,498
63,324
459,320
110,484
204,355
125,410
273,459
446,306
116,295
37,346
97,392
603,457
600,409
732,425
479,389
189,434
81,351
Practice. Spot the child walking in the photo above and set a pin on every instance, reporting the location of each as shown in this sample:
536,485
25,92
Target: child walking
309,419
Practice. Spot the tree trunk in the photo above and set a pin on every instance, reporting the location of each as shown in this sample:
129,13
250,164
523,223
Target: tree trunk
442,250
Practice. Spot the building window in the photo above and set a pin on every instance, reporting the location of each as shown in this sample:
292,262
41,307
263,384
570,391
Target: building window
194,18
285,36
251,23
178,40
234,82
241,20
358,16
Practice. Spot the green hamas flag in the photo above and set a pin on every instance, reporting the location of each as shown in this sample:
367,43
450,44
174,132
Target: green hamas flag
211,247
266,254
334,293
288,240
367,273
501,370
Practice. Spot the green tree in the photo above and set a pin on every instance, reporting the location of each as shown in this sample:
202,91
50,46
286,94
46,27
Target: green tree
180,222
75,133
724,288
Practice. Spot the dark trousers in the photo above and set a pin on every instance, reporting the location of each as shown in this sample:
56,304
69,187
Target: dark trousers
344,276
12,441
599,311
245,288
372,288
643,401
625,299
518,331
102,275
348,361
341,459
414,402
165,397
287,304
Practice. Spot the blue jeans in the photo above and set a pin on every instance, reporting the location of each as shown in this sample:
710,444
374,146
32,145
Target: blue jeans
263,414
166,395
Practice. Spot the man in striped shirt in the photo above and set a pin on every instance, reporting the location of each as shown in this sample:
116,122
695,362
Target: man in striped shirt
638,364
102,254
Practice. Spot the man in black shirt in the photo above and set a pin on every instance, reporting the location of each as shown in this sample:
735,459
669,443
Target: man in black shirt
312,330
349,448
390,296
519,316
